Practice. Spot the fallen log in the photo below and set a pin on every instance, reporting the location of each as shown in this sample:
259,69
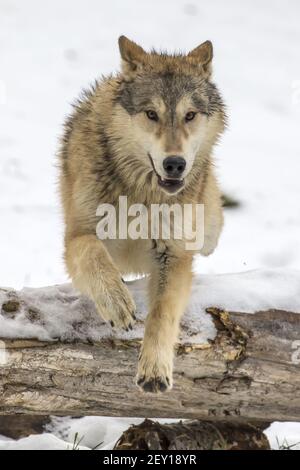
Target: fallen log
249,372
192,435
18,426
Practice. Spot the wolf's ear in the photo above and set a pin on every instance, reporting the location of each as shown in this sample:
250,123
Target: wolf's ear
203,54
133,57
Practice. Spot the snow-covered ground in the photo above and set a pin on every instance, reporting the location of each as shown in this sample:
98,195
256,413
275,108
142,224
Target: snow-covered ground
50,50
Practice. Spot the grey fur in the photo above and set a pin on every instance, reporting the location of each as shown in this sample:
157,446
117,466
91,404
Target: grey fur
135,95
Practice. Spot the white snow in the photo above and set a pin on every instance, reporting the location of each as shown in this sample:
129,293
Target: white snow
44,441
284,436
50,50
94,431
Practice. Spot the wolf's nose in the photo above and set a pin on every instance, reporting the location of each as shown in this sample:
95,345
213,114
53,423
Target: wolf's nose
174,166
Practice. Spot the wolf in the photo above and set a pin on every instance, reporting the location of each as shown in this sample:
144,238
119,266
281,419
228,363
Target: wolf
148,133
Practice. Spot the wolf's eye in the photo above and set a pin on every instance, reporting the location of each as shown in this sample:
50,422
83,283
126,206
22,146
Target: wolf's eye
152,115
190,116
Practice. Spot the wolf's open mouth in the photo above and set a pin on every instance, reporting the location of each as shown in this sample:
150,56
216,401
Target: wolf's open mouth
170,185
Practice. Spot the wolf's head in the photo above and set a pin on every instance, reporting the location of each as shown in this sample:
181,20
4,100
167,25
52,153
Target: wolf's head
172,112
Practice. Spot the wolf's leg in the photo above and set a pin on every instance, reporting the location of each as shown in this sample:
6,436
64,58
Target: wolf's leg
213,215
95,275
213,228
169,292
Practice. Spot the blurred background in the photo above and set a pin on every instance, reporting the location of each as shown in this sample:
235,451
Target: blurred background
50,50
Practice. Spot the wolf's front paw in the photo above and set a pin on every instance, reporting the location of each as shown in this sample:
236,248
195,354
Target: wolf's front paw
155,373
117,306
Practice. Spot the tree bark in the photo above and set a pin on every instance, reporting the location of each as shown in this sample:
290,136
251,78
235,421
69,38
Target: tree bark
193,435
18,426
250,372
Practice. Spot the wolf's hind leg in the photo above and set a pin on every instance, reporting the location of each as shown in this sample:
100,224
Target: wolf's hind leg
169,292
95,275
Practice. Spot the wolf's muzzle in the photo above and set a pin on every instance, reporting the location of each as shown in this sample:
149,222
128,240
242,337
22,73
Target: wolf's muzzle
170,185
174,166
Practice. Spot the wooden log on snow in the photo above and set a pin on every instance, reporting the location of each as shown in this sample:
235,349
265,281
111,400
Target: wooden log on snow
193,435
249,372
